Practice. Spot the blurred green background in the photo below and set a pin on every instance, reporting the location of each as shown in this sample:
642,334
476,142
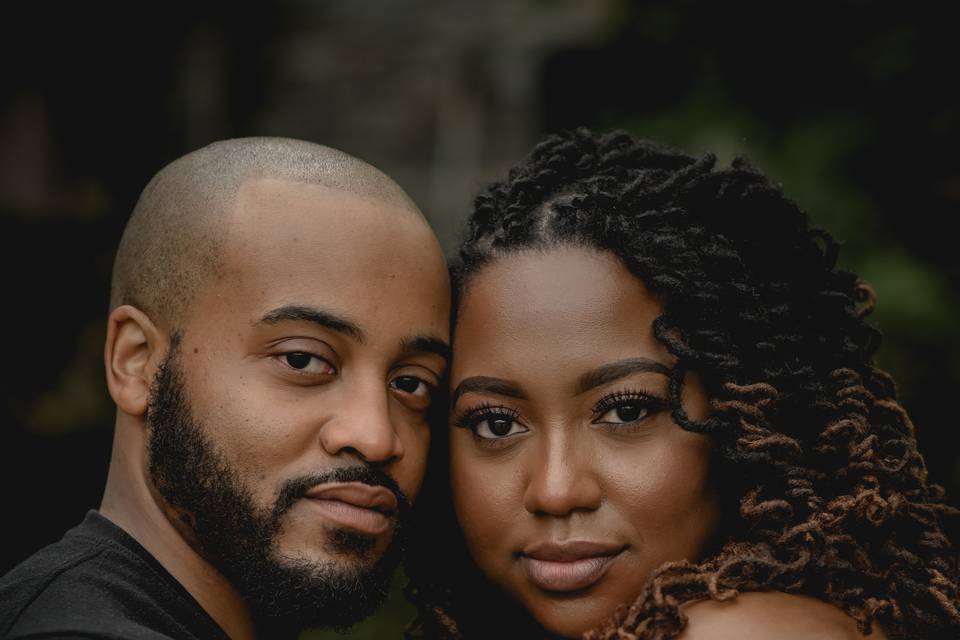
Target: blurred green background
849,104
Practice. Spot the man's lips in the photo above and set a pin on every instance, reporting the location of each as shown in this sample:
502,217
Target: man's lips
570,565
354,505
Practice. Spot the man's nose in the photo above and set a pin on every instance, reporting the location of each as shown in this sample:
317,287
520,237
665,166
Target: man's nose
363,425
562,478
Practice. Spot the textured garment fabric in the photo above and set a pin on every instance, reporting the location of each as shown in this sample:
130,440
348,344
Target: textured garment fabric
98,582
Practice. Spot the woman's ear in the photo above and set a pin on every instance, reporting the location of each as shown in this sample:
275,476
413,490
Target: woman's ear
131,355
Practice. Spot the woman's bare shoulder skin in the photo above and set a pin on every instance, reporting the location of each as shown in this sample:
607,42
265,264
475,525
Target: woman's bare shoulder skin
757,616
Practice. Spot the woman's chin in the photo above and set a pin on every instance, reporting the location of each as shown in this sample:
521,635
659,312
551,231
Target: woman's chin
571,619
569,628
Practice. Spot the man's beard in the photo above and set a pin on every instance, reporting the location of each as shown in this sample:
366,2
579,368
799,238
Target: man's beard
240,540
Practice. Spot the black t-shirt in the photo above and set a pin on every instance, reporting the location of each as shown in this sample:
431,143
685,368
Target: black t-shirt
98,582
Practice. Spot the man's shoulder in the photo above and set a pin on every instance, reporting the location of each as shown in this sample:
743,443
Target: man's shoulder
60,570
770,615
93,583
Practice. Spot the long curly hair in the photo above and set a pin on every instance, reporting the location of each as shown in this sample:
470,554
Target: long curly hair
823,491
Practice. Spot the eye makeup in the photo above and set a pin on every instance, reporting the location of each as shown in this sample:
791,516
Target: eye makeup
472,417
621,411
627,407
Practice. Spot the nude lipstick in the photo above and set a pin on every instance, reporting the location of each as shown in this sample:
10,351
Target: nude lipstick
568,566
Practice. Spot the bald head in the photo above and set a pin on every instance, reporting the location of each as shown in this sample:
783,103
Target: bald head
174,238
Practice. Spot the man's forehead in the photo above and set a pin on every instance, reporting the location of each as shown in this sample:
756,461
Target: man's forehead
291,243
269,193
272,213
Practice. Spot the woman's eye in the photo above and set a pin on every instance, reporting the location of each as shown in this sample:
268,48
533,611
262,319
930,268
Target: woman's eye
411,385
624,413
494,426
307,362
627,408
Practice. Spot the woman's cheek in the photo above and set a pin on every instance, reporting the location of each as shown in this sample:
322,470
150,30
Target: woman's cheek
478,496
676,508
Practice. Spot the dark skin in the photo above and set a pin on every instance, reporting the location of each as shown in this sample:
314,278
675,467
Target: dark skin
561,437
591,454
315,347
761,615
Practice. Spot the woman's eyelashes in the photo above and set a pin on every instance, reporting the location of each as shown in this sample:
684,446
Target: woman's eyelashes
621,410
626,408
489,422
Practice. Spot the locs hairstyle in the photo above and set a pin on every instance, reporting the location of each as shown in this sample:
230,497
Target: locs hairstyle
823,491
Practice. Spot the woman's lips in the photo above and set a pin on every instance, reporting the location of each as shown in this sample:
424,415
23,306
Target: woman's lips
568,566
364,508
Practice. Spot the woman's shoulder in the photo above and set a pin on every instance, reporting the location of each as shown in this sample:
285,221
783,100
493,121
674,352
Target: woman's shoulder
770,615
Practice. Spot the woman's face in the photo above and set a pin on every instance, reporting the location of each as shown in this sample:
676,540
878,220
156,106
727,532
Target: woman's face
570,479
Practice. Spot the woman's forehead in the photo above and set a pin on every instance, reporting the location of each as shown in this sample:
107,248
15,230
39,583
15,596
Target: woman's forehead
548,281
559,312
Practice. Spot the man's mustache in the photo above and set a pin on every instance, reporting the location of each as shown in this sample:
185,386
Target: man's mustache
373,475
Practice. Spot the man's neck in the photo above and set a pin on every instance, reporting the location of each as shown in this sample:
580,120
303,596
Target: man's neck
129,504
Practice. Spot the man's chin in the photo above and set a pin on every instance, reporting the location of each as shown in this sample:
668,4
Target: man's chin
333,546
322,589
326,561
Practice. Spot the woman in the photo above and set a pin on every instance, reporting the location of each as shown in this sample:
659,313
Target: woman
663,401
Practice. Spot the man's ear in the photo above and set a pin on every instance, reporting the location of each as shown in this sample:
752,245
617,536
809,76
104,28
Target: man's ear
132,353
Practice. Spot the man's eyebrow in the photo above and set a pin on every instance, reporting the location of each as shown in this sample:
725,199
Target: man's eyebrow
484,384
426,344
325,319
616,370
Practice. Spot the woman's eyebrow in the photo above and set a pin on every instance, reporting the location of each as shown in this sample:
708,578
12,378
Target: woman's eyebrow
616,370
485,384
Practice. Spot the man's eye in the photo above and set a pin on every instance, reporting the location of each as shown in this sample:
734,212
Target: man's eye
411,385
307,362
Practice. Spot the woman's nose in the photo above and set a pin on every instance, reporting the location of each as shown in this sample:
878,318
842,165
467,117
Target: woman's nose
562,479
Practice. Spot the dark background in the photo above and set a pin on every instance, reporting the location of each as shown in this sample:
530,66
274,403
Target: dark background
849,104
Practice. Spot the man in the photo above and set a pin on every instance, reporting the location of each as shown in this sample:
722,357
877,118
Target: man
279,320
